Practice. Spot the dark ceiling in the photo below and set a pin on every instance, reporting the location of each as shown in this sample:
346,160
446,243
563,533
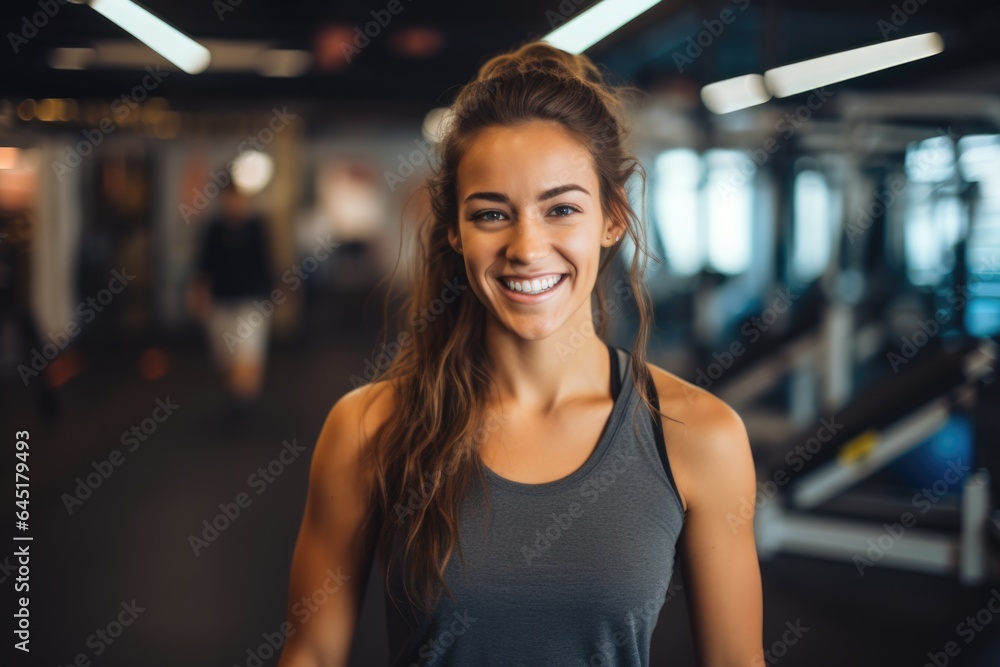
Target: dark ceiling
764,34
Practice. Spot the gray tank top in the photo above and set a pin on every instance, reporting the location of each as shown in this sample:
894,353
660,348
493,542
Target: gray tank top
572,572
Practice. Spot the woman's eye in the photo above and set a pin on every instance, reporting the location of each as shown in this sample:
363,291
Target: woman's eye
480,216
569,210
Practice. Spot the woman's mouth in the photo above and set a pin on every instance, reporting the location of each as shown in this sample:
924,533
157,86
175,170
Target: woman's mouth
531,290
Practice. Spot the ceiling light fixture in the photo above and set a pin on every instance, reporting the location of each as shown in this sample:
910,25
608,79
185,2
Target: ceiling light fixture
751,89
178,48
737,93
818,72
591,26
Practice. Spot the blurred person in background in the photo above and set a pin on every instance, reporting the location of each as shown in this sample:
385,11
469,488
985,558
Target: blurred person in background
233,276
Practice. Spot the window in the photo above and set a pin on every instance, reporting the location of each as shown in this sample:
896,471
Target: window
702,209
728,198
933,216
677,176
979,162
812,233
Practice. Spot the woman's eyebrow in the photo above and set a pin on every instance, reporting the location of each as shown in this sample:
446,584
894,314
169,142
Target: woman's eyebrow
501,198
556,191
488,196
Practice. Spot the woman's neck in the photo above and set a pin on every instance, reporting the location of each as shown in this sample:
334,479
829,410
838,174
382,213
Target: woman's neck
546,372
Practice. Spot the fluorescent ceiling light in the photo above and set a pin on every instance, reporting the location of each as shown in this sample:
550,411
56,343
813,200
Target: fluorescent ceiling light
283,62
227,55
593,25
166,40
71,58
737,93
819,72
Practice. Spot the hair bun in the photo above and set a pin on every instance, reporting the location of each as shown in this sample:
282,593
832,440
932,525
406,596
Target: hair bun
541,56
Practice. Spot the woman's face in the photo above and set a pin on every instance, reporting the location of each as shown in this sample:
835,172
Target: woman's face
529,214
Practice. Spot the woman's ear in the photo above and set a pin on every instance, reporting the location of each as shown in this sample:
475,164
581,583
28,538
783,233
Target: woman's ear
614,225
454,240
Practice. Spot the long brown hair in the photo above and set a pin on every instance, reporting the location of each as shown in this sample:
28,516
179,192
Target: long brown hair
423,458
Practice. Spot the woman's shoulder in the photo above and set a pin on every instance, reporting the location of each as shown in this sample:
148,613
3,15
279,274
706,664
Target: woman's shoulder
355,417
706,439
689,399
349,427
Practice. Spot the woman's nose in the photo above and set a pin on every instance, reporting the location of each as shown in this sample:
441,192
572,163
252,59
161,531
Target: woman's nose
529,241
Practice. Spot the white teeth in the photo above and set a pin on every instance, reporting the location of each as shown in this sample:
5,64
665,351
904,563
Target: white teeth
535,286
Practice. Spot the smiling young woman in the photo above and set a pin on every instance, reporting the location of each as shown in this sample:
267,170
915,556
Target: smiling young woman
508,456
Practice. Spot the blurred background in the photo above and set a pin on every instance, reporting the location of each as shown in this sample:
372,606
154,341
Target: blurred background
828,236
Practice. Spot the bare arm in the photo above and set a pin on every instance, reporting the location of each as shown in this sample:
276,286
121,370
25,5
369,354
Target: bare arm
719,557
330,564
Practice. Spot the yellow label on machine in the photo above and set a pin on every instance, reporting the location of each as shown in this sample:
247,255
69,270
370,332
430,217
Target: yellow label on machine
858,448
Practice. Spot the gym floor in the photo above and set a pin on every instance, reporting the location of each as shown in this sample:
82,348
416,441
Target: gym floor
125,552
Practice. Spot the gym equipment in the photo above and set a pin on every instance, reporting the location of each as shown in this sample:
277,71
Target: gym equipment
812,513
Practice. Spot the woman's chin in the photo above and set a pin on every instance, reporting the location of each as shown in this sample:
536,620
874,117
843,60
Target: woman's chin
529,327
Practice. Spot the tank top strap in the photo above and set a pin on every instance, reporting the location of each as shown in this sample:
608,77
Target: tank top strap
616,371
661,446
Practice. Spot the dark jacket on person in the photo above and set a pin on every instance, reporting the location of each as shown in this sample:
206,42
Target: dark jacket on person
235,259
